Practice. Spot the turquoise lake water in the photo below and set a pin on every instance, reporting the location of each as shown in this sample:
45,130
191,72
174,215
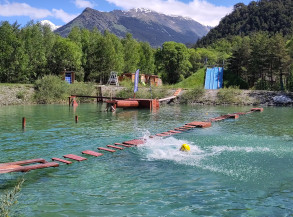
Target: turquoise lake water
238,167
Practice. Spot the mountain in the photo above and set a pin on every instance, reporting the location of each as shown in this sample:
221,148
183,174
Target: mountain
264,15
143,24
52,25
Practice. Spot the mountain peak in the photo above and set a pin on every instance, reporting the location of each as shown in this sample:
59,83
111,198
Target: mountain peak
144,24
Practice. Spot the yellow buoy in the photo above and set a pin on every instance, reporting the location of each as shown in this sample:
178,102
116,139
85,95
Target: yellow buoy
185,147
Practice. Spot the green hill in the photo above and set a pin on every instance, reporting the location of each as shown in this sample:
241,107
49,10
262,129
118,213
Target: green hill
193,81
273,16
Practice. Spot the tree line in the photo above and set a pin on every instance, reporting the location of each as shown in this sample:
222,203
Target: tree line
259,61
33,51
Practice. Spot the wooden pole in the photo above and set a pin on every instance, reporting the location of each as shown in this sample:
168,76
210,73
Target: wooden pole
23,122
76,119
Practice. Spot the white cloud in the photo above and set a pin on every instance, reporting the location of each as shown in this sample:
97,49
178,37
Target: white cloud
22,9
49,23
62,15
83,4
199,10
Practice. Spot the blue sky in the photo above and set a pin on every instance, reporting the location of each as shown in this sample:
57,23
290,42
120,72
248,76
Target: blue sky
60,12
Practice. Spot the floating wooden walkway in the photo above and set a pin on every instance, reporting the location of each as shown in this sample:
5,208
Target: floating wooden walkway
40,163
171,98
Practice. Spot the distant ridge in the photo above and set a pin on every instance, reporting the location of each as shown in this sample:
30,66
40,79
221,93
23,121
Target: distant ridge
143,24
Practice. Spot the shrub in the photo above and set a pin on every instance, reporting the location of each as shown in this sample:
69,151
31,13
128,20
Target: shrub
20,95
193,95
51,89
229,95
83,89
143,93
9,199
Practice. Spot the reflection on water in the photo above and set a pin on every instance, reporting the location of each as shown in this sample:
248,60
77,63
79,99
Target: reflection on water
235,168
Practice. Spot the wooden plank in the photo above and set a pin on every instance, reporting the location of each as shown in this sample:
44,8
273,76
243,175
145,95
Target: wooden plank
30,167
37,166
115,147
174,131
201,124
8,168
120,144
38,160
162,135
106,149
134,142
61,160
181,129
93,153
167,98
75,157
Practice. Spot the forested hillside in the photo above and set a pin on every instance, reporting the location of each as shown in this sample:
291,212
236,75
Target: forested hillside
272,16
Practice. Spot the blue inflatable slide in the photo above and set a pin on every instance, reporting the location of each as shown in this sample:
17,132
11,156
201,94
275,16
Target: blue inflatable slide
214,78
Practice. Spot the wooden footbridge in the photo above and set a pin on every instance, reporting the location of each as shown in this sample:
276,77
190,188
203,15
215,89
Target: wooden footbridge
33,164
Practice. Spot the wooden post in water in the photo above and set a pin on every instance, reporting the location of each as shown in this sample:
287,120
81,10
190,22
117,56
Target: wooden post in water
76,119
23,123
100,95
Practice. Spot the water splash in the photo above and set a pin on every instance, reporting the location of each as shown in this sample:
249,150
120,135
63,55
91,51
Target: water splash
223,160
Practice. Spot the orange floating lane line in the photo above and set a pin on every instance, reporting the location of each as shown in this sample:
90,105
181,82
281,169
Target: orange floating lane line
75,157
106,149
61,160
120,144
93,153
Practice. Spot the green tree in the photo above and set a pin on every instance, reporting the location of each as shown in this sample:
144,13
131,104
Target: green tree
105,55
147,59
258,63
279,60
131,53
174,62
49,39
238,63
34,45
13,60
66,56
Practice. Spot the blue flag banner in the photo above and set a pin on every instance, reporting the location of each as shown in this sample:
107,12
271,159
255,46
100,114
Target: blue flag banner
136,79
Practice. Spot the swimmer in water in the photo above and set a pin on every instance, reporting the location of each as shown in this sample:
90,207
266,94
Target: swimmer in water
185,148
